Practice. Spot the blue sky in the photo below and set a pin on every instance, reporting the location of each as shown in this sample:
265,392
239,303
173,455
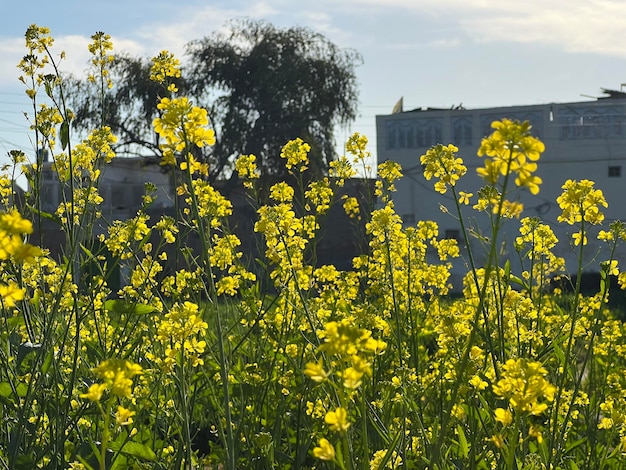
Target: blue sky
437,53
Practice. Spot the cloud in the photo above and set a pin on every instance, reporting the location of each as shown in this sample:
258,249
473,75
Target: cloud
196,22
11,52
578,26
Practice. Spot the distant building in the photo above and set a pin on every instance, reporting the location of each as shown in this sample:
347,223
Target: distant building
584,140
122,186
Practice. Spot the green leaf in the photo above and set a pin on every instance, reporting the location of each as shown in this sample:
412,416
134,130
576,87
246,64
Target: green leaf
48,85
45,215
134,449
462,441
519,281
46,363
23,351
87,251
7,392
64,134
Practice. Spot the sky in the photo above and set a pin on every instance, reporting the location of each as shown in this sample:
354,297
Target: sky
432,53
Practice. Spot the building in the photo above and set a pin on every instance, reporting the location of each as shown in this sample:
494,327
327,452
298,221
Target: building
583,140
122,186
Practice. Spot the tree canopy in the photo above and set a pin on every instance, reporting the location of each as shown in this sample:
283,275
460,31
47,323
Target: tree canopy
261,84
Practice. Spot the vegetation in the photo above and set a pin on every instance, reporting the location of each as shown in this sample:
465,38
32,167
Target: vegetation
369,368
261,85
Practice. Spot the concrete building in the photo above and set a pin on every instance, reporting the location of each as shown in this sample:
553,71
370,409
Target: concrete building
122,185
583,140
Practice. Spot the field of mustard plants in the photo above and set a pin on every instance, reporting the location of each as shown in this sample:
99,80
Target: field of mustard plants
371,368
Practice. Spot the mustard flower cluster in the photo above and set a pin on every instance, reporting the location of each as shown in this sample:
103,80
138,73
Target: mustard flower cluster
48,118
247,169
341,169
356,146
581,203
181,125
178,332
224,256
536,243
12,248
296,154
165,66
38,41
349,349
388,172
124,236
442,162
211,204
524,385
511,149
286,236
117,376
320,195
100,48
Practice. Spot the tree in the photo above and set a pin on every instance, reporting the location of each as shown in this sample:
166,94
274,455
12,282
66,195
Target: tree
128,108
262,86
272,85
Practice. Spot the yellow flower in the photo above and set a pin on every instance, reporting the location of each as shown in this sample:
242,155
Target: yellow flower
95,392
246,167
578,238
610,267
9,294
165,65
464,198
281,192
337,420
511,149
441,161
523,384
315,371
118,374
352,378
504,416
325,450
535,431
478,383
581,202
497,440
123,417
296,153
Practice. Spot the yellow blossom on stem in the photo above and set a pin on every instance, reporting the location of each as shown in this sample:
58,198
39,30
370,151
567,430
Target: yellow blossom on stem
315,371
511,149
164,66
503,416
123,417
95,392
523,383
441,161
296,152
118,375
464,198
337,420
324,451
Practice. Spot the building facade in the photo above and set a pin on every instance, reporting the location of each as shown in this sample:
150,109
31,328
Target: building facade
583,140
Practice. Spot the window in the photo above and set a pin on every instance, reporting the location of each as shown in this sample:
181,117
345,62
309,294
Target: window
462,131
615,171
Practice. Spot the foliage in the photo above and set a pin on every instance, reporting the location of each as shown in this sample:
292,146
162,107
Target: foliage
262,86
375,367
